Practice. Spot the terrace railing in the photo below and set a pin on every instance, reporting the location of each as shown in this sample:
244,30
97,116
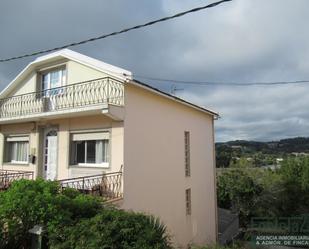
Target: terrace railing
108,186
84,94
8,176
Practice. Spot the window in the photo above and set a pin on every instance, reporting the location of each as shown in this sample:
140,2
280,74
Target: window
53,79
188,201
90,149
17,149
187,154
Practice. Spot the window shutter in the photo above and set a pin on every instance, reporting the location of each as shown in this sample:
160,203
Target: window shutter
17,139
90,136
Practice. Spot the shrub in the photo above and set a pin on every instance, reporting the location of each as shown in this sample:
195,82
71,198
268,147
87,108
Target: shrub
28,203
72,220
114,229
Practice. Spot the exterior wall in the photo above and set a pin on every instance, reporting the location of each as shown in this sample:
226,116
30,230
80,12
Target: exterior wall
28,85
154,169
65,126
77,72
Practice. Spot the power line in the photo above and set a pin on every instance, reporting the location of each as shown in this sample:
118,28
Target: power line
216,83
117,32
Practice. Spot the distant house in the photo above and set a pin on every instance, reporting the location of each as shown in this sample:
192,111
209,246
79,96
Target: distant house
300,154
67,115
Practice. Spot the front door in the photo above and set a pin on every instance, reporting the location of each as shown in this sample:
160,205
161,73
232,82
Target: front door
50,154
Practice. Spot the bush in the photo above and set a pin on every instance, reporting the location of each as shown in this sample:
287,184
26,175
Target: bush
28,203
72,220
114,229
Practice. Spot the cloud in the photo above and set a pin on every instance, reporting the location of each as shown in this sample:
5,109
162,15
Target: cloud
242,41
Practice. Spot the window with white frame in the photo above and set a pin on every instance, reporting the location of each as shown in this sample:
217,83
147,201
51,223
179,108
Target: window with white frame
53,79
90,149
17,149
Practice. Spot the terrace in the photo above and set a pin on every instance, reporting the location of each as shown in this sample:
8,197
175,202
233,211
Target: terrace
93,95
108,185
8,176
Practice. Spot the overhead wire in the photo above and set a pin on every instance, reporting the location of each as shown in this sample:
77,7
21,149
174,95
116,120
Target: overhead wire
103,36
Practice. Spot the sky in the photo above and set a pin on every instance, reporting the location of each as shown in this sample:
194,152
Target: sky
239,41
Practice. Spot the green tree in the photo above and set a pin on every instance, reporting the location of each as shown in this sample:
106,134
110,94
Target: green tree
295,175
238,191
223,156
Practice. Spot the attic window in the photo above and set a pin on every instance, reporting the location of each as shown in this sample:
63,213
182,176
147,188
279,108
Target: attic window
53,78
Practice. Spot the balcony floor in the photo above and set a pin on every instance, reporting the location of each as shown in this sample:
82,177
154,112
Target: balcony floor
114,112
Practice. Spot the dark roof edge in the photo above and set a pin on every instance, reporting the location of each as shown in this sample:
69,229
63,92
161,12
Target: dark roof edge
216,115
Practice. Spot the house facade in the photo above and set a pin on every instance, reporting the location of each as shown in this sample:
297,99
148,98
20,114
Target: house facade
67,115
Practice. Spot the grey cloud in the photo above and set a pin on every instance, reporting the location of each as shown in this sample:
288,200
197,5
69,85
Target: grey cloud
257,40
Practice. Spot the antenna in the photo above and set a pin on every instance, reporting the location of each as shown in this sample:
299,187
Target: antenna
174,89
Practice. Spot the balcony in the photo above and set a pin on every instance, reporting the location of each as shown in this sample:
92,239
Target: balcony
79,97
8,176
108,185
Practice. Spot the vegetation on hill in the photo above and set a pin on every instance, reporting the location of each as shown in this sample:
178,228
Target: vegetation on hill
252,192
259,153
298,144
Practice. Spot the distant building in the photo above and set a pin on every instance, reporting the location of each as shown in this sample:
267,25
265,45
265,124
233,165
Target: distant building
300,154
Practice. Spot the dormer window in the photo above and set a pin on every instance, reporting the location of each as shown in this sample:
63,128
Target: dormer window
53,79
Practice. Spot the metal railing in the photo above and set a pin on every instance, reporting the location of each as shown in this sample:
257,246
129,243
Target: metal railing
108,186
8,176
83,94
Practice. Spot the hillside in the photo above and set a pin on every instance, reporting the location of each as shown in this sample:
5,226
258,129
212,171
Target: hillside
261,153
298,144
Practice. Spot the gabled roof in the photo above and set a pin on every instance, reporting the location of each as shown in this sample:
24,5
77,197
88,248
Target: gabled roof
114,71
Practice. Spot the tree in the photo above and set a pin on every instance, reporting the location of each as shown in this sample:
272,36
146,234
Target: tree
238,191
223,156
295,174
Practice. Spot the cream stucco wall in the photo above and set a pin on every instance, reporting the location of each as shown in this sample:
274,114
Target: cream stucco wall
27,86
154,170
65,127
77,72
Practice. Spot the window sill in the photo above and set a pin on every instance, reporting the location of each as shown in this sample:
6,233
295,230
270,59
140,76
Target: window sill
90,165
16,163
